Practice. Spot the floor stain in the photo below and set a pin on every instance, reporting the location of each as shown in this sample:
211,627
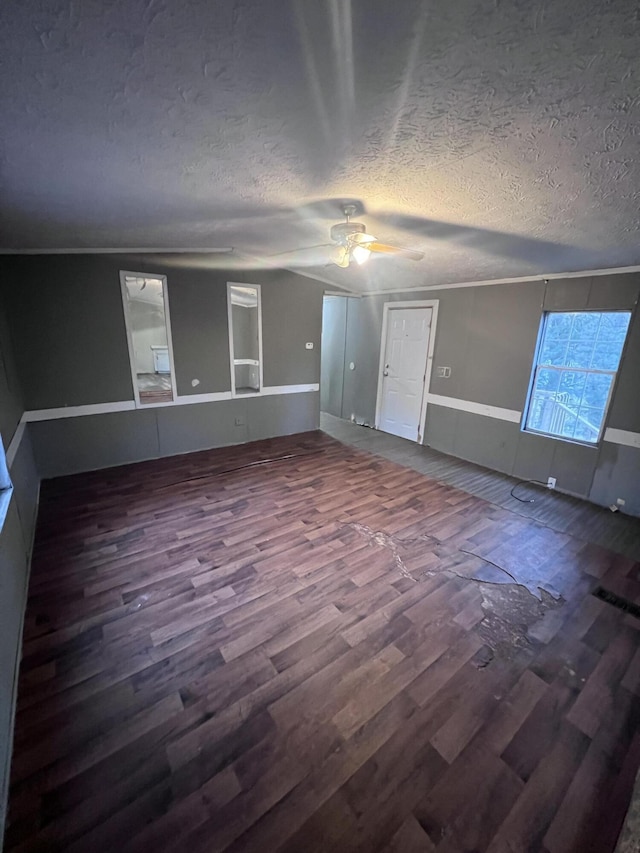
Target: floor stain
510,606
377,537
510,611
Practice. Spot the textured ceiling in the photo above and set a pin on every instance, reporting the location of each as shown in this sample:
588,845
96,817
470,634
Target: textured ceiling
500,138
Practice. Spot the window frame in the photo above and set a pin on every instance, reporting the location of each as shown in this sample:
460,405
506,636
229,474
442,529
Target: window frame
258,288
6,485
537,366
167,320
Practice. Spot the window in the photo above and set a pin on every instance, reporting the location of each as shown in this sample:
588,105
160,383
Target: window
577,360
146,311
245,338
6,487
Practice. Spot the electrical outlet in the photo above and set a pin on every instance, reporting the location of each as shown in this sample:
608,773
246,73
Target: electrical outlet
309,345
240,421
620,501
551,482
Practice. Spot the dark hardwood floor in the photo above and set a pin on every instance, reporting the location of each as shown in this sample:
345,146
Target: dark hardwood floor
328,652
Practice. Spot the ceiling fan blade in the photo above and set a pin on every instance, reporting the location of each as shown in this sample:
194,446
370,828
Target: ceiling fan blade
341,256
363,237
302,250
385,249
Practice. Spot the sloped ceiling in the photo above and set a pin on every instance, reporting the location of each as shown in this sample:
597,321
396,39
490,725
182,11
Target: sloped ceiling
500,138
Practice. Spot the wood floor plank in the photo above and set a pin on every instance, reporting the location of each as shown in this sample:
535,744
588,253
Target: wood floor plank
500,728
378,692
410,838
291,825
595,702
534,809
471,800
304,655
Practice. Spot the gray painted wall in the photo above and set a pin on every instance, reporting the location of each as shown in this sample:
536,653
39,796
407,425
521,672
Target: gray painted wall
487,336
16,537
67,321
71,445
67,317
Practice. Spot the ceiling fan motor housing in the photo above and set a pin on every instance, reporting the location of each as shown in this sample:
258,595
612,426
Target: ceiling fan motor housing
343,231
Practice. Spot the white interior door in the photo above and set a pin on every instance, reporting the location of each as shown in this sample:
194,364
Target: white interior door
403,376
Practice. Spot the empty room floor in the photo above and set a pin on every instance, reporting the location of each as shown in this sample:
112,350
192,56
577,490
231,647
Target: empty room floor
326,652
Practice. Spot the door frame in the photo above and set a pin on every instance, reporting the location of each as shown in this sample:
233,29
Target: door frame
129,328
258,288
391,306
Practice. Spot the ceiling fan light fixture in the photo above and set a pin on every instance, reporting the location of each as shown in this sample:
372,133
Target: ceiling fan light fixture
361,254
350,242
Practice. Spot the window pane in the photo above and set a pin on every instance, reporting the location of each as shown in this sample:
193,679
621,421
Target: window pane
572,407
567,424
605,357
579,354
559,326
571,386
554,351
588,423
585,326
548,380
596,392
613,326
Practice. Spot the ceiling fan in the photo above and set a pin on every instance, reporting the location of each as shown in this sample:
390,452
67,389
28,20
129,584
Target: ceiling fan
351,242
354,244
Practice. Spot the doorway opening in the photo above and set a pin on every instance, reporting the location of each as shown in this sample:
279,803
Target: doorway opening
146,314
333,353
